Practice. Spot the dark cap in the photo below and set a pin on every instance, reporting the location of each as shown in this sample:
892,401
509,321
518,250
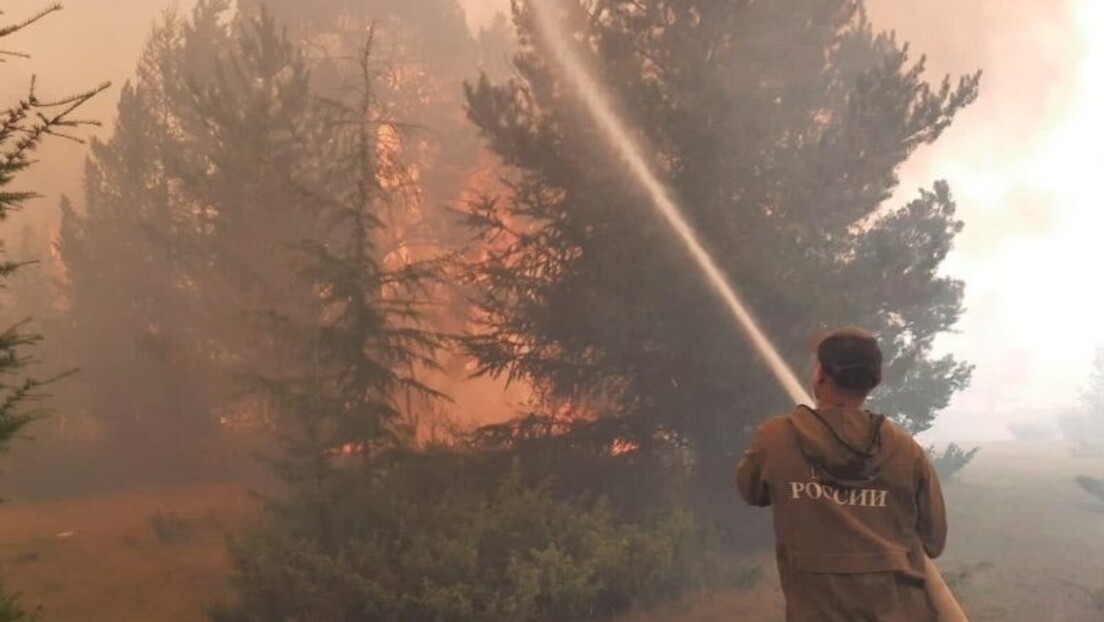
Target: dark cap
851,358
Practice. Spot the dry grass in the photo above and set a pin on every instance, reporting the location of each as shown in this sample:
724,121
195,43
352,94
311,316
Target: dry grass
1033,540
99,559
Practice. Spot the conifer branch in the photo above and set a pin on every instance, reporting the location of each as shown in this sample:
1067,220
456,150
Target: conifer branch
14,28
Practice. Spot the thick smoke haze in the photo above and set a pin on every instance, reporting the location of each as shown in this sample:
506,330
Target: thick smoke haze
1020,162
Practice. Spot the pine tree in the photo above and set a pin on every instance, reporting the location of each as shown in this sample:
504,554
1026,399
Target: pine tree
149,380
240,253
780,127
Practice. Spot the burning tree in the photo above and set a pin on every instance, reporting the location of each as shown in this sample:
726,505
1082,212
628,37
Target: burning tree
428,49
371,523
188,226
780,126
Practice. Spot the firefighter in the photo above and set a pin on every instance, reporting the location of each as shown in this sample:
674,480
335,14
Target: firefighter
855,499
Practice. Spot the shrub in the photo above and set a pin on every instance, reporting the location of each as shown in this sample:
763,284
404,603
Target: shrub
950,462
513,553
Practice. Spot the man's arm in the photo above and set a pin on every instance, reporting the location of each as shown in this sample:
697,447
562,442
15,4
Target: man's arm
749,475
931,522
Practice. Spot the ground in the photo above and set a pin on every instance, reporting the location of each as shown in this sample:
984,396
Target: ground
156,555
1026,545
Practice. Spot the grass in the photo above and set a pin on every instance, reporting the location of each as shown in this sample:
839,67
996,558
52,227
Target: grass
1026,544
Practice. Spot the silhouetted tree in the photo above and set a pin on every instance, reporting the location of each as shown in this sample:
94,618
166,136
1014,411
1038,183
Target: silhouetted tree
151,379
348,357
780,126
426,50
345,361
241,254
189,228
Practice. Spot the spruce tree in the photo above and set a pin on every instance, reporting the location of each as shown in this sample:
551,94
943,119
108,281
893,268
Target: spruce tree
345,363
350,360
429,50
780,127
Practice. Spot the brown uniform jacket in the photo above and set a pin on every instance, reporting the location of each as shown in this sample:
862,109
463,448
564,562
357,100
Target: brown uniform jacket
856,506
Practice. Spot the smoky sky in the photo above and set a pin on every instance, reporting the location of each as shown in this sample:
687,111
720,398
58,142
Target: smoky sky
1030,51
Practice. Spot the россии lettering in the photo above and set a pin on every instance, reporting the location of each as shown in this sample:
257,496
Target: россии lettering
865,497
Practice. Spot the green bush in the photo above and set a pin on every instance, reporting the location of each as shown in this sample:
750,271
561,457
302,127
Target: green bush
513,553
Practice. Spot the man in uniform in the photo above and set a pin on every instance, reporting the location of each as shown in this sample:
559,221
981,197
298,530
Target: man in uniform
856,502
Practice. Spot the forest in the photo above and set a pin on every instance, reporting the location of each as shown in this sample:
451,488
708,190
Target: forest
386,274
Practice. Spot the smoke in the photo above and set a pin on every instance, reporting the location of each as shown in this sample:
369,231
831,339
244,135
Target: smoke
1018,162
481,12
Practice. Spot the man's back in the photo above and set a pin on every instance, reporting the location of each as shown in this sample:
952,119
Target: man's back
856,506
